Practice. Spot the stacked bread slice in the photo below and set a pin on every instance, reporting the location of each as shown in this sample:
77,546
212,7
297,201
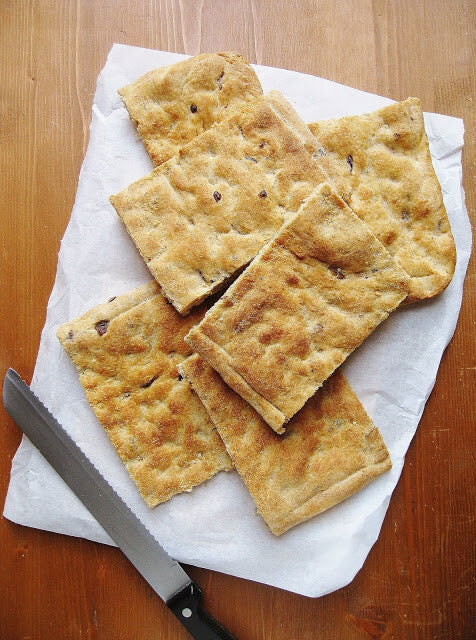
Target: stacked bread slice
308,237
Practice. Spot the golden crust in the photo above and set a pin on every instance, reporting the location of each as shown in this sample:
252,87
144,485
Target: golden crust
311,296
203,215
171,105
126,352
382,168
332,448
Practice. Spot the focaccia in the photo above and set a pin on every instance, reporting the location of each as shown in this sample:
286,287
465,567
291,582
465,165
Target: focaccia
382,168
331,450
126,352
203,215
172,105
309,298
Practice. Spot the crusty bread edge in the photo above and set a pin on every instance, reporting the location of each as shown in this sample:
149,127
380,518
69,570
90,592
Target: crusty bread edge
109,310
221,362
331,497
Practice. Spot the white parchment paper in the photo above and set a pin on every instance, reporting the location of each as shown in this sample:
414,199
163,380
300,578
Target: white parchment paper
215,525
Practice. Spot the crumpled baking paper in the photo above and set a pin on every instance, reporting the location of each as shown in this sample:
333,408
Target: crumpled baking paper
216,525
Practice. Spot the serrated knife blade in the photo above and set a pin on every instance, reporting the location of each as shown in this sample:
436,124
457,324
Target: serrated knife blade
164,574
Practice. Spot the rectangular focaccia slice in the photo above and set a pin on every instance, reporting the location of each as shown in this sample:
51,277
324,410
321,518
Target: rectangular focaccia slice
200,217
309,298
382,164
126,352
172,105
331,450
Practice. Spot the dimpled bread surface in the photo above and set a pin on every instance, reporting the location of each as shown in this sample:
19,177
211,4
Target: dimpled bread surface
309,298
383,169
202,216
126,352
172,105
331,450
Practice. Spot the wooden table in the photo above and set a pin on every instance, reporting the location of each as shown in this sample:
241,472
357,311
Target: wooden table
417,581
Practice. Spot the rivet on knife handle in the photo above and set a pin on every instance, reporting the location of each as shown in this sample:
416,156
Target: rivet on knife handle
186,604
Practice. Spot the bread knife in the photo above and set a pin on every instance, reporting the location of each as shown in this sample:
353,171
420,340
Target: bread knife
164,574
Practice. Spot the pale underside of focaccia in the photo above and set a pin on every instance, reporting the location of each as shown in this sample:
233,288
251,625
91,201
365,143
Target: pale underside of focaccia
172,105
202,216
332,448
382,168
126,352
309,298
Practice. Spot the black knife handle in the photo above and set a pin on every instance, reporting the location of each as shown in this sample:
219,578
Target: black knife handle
186,605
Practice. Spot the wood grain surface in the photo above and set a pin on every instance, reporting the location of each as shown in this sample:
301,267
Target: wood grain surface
418,581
